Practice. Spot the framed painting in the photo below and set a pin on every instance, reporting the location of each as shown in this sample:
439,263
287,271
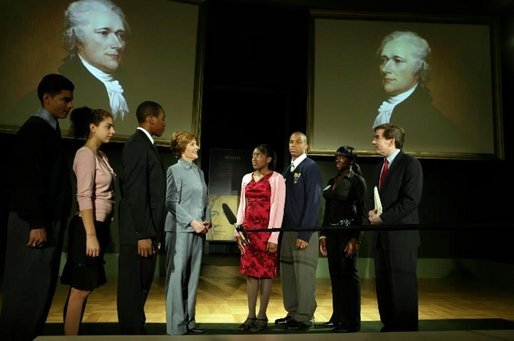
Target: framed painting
436,77
159,52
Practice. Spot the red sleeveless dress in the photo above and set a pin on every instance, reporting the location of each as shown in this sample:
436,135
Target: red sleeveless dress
256,262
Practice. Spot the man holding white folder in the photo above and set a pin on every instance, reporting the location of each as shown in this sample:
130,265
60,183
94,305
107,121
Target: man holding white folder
398,183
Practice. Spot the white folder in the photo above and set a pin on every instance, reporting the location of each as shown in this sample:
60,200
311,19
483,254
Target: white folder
378,203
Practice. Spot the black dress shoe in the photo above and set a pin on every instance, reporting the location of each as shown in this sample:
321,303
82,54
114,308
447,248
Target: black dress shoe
297,325
329,324
341,328
195,331
284,320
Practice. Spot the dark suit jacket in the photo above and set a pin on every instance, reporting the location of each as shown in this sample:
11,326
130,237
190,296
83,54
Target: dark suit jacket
400,195
143,189
303,191
40,183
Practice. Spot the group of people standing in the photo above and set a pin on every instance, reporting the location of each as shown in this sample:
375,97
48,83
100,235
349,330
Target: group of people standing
291,202
170,209
156,210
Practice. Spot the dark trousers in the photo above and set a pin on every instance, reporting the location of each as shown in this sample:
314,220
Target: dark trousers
344,278
30,279
135,276
397,288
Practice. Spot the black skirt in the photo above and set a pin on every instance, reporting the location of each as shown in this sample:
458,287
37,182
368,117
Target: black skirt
81,271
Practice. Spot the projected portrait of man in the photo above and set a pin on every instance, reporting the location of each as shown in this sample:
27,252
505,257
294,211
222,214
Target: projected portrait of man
95,38
404,69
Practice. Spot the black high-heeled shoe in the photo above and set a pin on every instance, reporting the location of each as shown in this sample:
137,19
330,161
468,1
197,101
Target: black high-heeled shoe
259,326
247,324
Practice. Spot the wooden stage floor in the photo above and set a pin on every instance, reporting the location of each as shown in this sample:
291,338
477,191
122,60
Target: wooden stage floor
449,309
222,299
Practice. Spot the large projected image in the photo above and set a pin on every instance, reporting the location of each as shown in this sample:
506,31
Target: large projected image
436,79
117,53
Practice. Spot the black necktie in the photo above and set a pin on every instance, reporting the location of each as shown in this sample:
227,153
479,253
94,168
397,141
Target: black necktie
57,128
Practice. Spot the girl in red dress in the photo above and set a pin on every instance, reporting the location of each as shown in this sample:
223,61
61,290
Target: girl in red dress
261,207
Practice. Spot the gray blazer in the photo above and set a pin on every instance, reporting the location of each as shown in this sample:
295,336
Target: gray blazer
186,197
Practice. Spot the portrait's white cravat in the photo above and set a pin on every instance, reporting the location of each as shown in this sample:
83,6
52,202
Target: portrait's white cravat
117,102
384,113
386,108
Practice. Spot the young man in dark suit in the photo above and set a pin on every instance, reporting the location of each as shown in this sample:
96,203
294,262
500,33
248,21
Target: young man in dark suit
400,182
39,207
141,216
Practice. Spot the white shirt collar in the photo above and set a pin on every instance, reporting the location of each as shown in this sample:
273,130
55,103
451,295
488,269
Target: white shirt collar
298,160
147,134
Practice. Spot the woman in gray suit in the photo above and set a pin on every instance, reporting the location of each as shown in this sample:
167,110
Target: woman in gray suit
187,222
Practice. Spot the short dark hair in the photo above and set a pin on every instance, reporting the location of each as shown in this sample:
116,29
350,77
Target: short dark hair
147,108
53,84
392,131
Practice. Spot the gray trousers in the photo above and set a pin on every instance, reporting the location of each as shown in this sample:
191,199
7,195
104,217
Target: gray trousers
298,276
183,263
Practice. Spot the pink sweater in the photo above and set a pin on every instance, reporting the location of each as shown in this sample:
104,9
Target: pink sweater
95,182
277,200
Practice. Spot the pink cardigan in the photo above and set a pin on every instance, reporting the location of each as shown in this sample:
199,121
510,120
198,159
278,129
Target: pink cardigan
95,182
278,198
